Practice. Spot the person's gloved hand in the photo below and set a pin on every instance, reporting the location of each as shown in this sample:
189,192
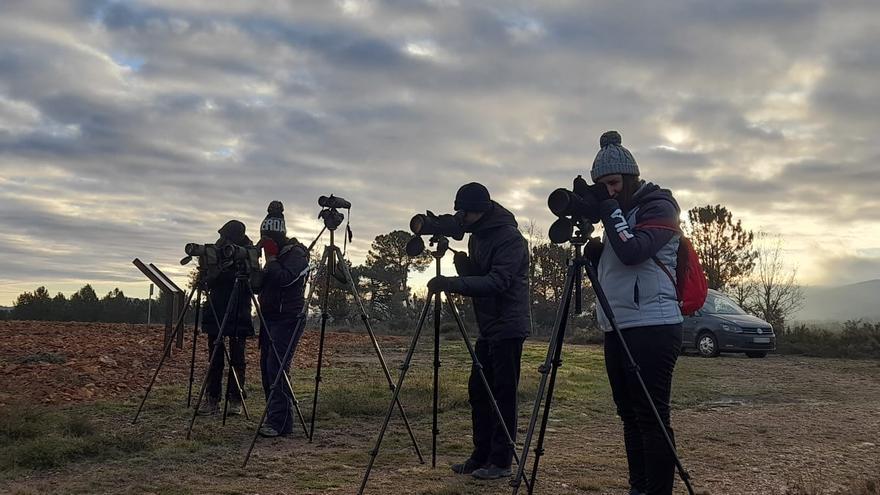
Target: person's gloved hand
270,248
593,249
438,284
599,191
462,264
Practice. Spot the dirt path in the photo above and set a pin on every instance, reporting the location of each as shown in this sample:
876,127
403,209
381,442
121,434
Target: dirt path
780,425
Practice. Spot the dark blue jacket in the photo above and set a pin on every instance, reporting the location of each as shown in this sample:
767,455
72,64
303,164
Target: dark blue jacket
283,294
498,278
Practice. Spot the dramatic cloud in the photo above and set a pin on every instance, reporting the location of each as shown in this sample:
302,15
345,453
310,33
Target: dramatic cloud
130,128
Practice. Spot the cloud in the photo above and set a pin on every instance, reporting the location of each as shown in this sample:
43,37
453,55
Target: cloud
130,128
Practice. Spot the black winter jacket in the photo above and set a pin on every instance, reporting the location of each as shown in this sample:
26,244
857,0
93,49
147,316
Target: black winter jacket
498,278
220,293
283,294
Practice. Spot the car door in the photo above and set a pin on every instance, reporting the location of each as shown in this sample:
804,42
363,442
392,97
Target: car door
689,326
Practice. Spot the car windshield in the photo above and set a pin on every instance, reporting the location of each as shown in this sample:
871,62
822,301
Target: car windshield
718,304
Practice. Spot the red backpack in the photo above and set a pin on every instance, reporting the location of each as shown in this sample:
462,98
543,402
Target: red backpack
691,287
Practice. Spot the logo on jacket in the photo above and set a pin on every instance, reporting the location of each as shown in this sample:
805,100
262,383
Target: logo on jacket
621,226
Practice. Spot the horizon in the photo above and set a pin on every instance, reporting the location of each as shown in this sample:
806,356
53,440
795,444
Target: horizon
128,129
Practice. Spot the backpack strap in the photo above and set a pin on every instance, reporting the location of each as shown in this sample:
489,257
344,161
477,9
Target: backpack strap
663,226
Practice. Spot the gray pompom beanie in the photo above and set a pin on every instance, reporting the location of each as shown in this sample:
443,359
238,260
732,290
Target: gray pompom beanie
613,158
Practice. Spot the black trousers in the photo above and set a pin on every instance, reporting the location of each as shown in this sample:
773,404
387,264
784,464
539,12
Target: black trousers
215,371
280,409
655,350
501,362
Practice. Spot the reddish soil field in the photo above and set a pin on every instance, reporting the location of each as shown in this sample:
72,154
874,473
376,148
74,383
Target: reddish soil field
56,363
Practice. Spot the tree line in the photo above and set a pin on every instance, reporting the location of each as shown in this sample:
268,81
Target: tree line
84,305
746,266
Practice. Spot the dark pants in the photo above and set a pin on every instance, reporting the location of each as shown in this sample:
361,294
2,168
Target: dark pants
236,349
500,360
655,350
280,407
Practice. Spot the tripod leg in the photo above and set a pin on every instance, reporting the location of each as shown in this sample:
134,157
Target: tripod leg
235,288
327,262
273,388
394,395
376,348
192,361
606,307
165,354
551,362
479,367
435,400
228,361
287,381
239,385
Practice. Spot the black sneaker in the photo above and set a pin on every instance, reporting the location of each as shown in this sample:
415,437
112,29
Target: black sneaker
466,467
209,407
491,472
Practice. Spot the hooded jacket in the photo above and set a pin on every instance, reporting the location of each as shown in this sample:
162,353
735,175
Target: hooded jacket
283,294
497,279
639,292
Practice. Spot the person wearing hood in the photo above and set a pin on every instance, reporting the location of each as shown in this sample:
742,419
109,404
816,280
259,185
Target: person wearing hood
636,261
494,274
238,328
282,300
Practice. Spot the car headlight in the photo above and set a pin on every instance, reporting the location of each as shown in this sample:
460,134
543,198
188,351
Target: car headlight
728,327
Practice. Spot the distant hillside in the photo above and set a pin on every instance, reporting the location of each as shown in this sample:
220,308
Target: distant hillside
848,302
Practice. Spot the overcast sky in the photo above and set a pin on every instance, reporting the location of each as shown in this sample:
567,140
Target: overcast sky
128,129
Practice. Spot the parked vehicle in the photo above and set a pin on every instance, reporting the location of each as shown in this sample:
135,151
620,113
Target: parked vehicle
722,326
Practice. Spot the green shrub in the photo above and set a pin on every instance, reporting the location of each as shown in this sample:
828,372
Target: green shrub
857,339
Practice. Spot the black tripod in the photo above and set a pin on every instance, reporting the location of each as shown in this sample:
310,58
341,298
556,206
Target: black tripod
331,260
291,346
553,362
242,282
442,244
198,290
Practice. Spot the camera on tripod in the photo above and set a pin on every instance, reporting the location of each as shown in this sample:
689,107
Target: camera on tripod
438,226
575,208
214,259
330,214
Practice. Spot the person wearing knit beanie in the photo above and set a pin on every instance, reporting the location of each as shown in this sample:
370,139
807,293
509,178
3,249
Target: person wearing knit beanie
494,273
282,300
634,262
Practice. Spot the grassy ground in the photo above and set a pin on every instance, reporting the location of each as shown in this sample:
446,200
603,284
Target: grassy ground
775,425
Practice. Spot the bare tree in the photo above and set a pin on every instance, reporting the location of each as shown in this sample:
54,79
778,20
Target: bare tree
778,293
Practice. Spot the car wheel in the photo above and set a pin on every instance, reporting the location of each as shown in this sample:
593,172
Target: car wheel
707,345
756,354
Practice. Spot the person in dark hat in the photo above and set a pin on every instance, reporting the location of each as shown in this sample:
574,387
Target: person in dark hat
238,328
282,300
494,274
635,263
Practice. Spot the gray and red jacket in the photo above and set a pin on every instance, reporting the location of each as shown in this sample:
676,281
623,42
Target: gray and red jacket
639,292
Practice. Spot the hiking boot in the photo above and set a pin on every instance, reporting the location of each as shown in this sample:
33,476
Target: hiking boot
210,406
466,467
633,491
234,408
267,431
491,472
